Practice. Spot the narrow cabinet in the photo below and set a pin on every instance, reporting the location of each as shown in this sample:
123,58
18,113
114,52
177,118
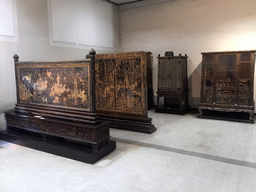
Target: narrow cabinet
172,84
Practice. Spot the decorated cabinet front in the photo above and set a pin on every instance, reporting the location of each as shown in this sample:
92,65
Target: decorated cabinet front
227,83
122,84
172,84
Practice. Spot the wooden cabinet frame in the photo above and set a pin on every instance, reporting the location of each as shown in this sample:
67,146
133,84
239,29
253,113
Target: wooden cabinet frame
227,84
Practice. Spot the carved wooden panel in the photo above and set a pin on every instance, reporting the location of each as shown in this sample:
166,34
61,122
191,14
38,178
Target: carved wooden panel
19,122
244,92
53,127
23,123
62,83
12,121
172,74
163,75
38,125
68,131
208,80
83,134
226,87
175,75
183,73
121,83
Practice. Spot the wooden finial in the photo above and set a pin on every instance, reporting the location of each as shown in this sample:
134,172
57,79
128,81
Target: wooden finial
92,52
16,58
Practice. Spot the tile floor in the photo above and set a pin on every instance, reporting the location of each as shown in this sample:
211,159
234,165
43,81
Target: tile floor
184,154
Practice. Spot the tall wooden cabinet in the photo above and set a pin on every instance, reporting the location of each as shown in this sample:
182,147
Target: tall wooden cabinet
227,85
172,84
123,82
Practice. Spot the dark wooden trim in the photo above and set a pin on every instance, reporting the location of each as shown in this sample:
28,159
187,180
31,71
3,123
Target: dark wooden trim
220,52
92,81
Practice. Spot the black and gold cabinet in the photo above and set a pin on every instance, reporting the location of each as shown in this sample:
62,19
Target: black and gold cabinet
172,84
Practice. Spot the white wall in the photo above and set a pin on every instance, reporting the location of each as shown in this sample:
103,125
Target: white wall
82,23
189,27
33,45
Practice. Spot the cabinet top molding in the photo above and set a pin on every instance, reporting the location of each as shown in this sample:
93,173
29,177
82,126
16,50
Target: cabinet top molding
228,52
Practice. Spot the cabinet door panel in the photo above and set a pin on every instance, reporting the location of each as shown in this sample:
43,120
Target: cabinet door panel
208,83
244,93
246,56
174,77
163,75
227,62
226,87
226,80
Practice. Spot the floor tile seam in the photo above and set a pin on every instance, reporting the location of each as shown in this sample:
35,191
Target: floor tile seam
189,153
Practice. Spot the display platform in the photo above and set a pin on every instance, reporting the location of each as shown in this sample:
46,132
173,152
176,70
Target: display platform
57,145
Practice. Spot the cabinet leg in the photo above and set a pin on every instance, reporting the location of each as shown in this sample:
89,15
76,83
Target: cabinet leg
157,100
251,116
199,111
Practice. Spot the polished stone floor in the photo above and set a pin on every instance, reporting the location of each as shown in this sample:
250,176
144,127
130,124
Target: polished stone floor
184,154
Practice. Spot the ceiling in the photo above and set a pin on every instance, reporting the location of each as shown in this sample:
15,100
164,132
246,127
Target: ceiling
121,2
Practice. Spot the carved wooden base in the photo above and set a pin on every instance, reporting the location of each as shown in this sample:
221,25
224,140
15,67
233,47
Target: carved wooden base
137,124
91,134
240,114
57,145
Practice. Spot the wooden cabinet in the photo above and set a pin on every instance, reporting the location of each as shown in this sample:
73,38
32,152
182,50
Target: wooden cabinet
123,82
227,85
172,84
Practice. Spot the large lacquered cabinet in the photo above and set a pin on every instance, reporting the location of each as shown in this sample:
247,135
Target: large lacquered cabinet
227,84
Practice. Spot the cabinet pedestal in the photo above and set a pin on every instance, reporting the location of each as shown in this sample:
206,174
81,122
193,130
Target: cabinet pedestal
173,103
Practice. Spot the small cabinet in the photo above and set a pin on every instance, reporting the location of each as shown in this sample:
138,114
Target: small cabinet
172,84
227,85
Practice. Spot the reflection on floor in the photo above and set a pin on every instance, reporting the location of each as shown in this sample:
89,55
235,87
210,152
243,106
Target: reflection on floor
184,154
